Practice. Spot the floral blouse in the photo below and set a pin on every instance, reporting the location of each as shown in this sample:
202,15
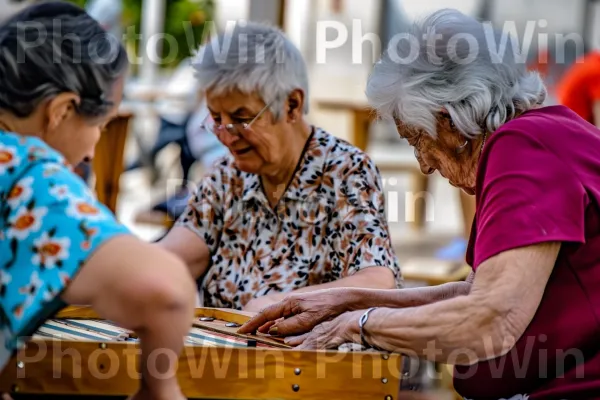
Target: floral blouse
329,224
50,223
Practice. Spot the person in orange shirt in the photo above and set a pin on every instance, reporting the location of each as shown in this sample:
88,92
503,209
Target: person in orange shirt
579,89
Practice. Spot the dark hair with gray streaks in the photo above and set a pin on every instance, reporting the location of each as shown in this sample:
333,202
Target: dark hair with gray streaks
56,47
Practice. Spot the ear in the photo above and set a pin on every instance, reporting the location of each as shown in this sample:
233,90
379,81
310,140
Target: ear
295,104
59,109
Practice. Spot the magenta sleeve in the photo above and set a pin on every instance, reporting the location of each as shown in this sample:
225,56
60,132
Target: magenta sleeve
527,196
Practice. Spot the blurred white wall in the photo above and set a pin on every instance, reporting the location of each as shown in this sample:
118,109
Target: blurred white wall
231,10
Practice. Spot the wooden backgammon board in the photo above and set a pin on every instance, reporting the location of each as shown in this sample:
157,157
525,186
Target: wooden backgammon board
77,354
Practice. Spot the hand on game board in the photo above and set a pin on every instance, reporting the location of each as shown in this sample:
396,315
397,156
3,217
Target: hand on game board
299,313
330,334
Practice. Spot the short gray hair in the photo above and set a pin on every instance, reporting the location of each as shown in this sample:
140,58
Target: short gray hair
480,93
253,58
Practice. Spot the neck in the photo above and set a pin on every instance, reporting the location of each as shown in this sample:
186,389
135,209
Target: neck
10,123
280,178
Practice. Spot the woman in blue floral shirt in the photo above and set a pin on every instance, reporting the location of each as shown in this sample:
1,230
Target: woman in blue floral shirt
58,245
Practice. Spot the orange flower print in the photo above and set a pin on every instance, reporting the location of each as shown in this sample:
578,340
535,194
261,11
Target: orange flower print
84,210
25,222
59,192
89,234
35,153
50,251
8,159
20,193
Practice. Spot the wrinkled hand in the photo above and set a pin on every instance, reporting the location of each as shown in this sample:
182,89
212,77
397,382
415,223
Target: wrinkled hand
330,334
299,313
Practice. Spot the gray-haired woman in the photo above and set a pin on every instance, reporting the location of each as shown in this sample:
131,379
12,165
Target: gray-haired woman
61,81
292,208
525,325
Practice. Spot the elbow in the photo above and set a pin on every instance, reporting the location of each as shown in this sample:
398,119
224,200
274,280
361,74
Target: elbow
380,278
491,335
167,289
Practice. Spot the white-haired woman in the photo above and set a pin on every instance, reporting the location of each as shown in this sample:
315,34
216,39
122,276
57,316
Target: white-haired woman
526,322
292,208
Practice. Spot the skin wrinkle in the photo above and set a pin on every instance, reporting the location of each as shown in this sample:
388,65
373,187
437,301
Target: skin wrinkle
499,310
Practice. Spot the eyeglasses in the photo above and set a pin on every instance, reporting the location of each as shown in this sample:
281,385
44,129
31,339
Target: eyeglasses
233,129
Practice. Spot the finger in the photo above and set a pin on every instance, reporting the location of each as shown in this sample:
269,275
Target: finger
265,328
309,343
296,340
296,325
271,313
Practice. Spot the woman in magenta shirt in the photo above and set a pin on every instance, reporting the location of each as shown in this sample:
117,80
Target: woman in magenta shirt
526,322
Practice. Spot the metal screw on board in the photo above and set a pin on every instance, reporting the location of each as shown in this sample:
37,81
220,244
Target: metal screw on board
388,397
297,371
295,388
384,380
385,357
20,365
103,346
15,388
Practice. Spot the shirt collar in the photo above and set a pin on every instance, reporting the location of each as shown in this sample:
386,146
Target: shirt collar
306,181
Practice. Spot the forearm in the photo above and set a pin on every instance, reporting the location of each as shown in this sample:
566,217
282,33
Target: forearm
458,331
168,342
362,298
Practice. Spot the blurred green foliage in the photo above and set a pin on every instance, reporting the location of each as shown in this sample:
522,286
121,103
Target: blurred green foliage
185,22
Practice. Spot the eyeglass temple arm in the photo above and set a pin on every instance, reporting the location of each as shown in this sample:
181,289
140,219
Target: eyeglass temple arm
261,112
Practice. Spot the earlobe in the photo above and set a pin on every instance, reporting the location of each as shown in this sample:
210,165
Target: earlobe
295,106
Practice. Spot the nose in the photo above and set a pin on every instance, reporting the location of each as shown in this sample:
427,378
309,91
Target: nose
425,169
227,138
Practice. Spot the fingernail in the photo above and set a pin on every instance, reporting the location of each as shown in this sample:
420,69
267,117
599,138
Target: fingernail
273,331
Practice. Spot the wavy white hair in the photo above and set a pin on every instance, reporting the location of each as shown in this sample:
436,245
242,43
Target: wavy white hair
253,58
482,87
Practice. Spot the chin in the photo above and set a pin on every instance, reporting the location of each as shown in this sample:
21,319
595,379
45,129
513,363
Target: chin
251,166
469,191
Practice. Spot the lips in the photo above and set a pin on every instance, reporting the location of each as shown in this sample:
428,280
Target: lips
243,151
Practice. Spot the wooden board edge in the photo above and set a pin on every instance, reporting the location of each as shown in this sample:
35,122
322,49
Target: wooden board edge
87,312
297,368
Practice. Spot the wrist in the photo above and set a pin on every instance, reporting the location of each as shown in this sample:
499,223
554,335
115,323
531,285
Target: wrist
354,300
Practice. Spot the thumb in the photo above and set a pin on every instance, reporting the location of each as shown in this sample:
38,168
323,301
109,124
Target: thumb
296,340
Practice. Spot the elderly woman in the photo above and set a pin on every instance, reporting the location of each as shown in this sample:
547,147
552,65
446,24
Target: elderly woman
292,209
525,324
58,245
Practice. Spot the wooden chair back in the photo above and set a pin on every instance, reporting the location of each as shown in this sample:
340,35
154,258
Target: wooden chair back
108,163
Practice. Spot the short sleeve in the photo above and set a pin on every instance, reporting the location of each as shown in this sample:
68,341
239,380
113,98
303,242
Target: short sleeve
365,231
204,213
527,196
51,224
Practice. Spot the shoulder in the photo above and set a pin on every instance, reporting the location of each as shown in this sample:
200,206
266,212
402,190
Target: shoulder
545,127
19,154
343,159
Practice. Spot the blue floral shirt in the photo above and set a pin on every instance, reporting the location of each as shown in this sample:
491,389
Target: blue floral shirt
50,223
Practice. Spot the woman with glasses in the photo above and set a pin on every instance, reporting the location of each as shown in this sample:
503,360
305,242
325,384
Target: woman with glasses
526,323
292,208
58,245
